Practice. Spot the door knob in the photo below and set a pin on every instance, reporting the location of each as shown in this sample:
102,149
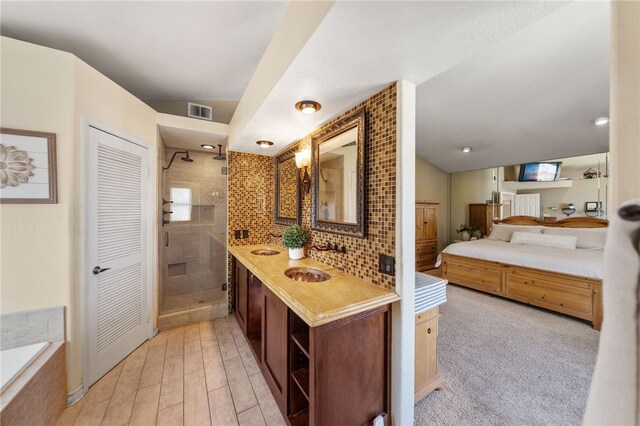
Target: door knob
98,269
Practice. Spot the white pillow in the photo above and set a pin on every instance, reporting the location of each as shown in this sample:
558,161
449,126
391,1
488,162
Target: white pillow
557,241
588,238
502,232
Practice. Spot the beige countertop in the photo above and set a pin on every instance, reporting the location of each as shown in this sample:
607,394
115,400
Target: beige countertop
316,303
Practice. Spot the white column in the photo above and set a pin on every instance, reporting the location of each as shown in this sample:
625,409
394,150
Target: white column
403,319
624,127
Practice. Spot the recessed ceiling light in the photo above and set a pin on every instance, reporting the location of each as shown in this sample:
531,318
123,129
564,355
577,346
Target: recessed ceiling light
601,121
207,146
308,107
466,149
264,144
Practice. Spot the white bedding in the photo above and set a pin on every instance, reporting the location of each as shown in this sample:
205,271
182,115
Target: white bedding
581,262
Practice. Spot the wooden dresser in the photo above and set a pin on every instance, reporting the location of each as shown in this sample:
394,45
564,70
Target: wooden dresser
426,235
481,215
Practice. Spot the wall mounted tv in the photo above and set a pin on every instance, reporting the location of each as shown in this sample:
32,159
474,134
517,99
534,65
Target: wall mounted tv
540,172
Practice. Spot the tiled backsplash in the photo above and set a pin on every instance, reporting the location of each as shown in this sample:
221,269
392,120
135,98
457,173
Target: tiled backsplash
361,259
252,186
29,327
251,200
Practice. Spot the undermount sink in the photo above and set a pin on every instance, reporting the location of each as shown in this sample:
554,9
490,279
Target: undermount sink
308,275
265,252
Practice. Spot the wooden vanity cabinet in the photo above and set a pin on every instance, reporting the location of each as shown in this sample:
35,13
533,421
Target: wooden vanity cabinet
349,369
427,377
240,292
275,317
248,305
332,374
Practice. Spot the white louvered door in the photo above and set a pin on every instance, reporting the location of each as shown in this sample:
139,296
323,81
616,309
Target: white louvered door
118,281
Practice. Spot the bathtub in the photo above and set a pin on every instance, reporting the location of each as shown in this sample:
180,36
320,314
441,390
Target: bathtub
15,361
33,367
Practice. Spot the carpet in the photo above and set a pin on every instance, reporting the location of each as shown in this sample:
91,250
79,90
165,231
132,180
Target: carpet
506,363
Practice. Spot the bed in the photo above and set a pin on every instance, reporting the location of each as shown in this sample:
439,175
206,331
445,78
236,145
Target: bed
558,279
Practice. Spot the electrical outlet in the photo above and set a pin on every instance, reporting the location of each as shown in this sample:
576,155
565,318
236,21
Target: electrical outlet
386,264
245,233
224,286
237,234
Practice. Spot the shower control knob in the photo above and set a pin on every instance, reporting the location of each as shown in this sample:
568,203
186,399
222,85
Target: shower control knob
98,269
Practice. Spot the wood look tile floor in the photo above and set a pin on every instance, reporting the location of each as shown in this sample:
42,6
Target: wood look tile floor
200,374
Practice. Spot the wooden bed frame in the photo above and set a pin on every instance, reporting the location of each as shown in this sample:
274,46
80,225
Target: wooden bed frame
573,295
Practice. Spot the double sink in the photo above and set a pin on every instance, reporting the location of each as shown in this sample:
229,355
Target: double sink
308,275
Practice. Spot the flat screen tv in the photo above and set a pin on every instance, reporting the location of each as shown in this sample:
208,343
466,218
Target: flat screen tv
540,172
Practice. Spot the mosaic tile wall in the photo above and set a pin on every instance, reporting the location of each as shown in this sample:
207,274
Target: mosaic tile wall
250,200
251,187
252,184
361,259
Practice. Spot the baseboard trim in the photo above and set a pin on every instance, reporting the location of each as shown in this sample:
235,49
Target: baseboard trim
75,396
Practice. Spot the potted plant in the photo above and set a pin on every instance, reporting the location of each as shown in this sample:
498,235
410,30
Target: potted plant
475,231
465,232
294,238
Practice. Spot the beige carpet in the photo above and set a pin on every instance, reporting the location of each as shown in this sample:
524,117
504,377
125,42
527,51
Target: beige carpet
505,363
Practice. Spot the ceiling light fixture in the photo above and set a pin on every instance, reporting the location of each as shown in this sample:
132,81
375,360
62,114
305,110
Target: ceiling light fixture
207,146
601,121
466,149
264,143
308,107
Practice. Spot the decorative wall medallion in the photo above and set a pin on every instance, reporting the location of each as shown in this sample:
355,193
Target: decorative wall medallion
27,167
15,166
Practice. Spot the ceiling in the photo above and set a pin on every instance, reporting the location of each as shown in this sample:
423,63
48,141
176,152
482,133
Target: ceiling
155,50
177,137
517,81
361,47
530,97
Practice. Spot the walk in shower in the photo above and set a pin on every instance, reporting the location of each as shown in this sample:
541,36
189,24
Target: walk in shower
193,238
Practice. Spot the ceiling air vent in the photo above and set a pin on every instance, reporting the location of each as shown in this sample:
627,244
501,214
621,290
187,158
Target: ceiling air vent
202,112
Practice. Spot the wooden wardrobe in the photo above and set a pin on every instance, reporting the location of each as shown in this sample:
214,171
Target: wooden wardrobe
482,216
426,235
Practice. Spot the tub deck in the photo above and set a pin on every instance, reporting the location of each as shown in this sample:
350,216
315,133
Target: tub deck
38,394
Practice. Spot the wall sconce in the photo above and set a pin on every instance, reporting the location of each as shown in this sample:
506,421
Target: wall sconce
303,158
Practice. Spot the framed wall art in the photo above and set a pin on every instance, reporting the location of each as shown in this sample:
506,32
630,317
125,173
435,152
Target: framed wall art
27,167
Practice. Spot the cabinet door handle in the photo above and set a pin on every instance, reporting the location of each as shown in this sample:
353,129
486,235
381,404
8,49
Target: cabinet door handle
429,330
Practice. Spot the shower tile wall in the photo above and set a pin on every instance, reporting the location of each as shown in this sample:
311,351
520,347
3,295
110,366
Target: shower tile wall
195,267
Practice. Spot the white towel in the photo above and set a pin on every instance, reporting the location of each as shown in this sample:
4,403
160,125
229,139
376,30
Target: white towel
614,396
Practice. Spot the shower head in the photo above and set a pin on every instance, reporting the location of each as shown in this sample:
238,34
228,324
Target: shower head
220,155
173,157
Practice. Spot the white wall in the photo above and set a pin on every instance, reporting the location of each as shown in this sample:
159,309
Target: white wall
468,188
42,245
580,192
432,184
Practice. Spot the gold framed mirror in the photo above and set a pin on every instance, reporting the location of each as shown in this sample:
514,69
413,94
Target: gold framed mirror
287,199
338,183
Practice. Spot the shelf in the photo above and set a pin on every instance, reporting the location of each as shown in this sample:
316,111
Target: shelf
537,185
300,419
301,377
302,340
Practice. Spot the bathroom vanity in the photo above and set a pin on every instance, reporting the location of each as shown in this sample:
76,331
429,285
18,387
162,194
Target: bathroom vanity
323,346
